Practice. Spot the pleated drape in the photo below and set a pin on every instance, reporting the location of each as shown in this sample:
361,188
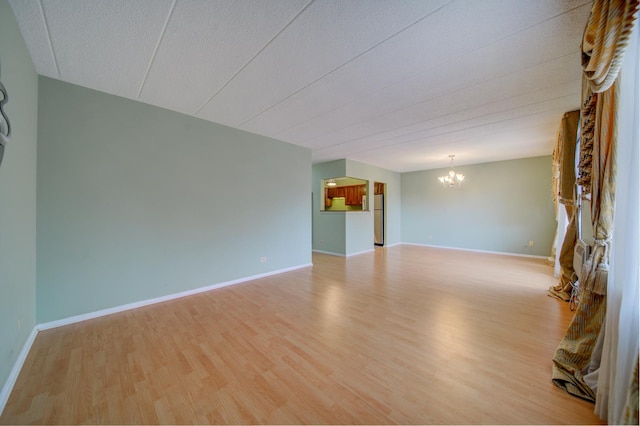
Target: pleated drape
562,290
606,36
567,136
564,188
572,357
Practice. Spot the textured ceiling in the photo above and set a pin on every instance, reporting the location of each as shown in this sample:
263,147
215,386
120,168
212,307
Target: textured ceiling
398,84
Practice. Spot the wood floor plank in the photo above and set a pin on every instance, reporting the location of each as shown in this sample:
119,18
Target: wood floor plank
408,335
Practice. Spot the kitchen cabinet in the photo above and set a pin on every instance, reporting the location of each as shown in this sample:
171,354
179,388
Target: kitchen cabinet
352,194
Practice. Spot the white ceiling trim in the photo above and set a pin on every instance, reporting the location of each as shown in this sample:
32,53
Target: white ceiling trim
49,42
155,49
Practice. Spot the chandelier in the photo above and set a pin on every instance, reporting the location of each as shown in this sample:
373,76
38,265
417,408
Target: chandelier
452,178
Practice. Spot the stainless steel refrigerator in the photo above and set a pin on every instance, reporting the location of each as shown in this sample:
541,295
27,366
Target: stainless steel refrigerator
378,219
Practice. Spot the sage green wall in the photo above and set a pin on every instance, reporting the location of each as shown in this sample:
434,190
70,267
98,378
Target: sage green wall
17,195
137,202
328,227
500,207
359,226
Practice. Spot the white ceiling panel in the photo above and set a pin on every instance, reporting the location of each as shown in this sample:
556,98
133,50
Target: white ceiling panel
105,44
30,15
469,128
326,36
496,95
223,35
474,145
117,42
494,61
399,84
417,48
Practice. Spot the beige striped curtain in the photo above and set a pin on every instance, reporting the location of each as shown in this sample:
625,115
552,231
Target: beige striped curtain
574,352
604,40
564,193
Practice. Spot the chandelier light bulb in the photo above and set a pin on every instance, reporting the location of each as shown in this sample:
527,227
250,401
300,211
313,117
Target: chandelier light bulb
452,178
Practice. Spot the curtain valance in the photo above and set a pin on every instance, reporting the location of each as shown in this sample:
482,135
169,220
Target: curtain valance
604,41
603,44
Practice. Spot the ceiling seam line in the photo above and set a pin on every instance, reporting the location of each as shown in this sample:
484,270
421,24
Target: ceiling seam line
418,103
348,62
53,51
253,57
465,129
155,50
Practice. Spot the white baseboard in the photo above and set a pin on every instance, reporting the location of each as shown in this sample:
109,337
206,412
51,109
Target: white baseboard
15,371
361,252
330,253
134,305
477,251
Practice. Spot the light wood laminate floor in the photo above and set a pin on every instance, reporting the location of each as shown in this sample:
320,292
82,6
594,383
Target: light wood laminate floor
406,334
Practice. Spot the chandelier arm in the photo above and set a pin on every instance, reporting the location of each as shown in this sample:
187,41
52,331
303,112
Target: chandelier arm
452,178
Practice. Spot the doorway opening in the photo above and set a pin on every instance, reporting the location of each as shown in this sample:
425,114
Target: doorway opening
379,191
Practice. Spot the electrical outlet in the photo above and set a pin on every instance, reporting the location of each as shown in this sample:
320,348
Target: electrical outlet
263,259
530,243
20,323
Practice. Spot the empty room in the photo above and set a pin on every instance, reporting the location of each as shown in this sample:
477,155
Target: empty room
319,211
